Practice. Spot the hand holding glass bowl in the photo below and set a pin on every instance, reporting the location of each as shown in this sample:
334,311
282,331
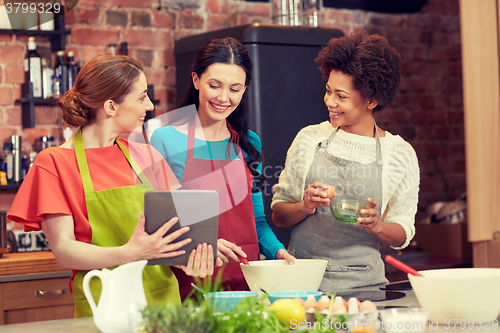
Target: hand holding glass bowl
348,210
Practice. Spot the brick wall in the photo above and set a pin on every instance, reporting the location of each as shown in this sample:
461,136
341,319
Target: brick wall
427,112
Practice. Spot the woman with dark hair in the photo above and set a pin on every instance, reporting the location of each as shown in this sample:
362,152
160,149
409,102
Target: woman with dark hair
359,159
88,194
213,149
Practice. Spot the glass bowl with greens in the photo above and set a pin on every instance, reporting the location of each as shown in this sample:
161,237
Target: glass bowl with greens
348,210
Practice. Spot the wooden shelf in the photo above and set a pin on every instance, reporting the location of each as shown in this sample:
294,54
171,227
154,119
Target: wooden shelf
35,32
8,187
28,104
37,101
57,43
57,36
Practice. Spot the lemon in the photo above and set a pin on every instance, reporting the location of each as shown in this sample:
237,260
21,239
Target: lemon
289,310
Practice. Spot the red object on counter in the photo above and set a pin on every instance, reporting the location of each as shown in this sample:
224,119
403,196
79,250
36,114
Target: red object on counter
402,266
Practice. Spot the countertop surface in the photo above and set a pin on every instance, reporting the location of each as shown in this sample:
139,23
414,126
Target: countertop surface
81,325
25,266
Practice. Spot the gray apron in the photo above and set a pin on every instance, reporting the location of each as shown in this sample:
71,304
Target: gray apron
353,254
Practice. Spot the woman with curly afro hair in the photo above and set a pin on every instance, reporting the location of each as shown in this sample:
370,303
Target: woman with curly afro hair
350,158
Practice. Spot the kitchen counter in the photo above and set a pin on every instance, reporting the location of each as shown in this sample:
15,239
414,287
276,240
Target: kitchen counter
87,325
28,263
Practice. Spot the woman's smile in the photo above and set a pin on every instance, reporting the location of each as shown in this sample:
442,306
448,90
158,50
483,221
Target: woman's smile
219,108
336,115
221,88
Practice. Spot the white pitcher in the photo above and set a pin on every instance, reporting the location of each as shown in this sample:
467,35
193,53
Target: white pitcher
122,295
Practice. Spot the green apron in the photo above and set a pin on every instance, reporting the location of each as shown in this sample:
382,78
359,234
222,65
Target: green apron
113,216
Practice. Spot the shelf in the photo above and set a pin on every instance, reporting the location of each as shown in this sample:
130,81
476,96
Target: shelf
28,104
37,101
57,36
35,32
14,186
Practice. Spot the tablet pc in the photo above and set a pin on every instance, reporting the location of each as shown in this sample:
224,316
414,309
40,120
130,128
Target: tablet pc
198,209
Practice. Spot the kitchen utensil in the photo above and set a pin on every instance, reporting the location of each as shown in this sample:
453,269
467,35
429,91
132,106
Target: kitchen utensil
348,210
244,261
197,288
400,265
371,295
294,294
470,294
225,301
278,275
3,232
397,285
122,293
407,320
261,289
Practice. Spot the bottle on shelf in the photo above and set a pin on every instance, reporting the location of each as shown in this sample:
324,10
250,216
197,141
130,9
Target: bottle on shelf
79,64
124,48
72,69
3,169
62,69
56,84
46,142
47,74
8,163
111,49
17,157
33,68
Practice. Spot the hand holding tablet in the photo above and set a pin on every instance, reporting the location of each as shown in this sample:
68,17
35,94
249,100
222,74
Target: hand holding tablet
197,209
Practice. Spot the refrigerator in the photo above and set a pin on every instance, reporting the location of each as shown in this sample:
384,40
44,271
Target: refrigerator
285,94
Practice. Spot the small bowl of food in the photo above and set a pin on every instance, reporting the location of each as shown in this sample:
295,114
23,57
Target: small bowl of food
302,294
225,301
407,320
348,210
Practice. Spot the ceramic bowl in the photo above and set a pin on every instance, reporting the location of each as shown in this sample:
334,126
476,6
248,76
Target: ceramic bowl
347,210
459,293
225,301
407,320
277,275
274,296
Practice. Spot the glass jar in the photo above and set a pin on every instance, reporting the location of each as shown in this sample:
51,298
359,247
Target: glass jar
287,12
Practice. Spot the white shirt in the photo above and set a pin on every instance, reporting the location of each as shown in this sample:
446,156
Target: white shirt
400,170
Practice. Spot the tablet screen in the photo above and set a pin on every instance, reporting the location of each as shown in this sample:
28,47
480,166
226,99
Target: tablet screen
198,209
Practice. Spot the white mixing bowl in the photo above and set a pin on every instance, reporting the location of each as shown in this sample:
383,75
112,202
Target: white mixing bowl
459,293
277,275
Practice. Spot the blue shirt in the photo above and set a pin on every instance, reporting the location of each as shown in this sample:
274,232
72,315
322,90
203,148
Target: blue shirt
172,145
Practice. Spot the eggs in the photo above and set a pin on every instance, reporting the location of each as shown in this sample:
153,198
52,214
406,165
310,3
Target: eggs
367,306
310,303
338,308
330,192
323,303
340,305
